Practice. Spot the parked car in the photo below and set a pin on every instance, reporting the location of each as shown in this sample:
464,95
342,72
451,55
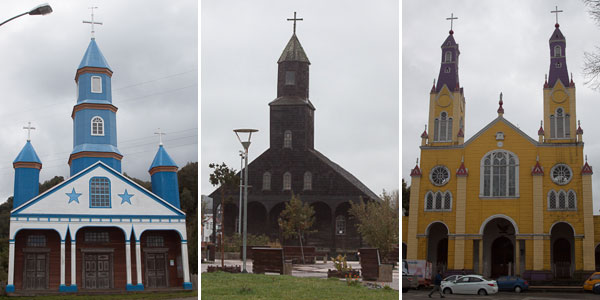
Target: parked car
409,281
470,284
588,285
596,289
512,283
452,278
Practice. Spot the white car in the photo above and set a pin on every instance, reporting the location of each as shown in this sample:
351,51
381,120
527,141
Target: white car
452,278
470,284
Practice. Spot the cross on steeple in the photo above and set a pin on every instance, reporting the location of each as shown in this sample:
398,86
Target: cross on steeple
92,21
295,19
160,134
556,11
452,18
29,128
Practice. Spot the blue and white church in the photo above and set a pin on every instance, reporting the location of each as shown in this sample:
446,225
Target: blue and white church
98,229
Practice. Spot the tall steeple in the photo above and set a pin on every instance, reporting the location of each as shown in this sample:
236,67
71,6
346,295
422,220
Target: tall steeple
446,101
292,113
559,93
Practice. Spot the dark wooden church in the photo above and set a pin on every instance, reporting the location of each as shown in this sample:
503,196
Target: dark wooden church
293,165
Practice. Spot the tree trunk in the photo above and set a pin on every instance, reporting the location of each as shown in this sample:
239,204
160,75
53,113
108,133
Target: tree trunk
301,248
222,227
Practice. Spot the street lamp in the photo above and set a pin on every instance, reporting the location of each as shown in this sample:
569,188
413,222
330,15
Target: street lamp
239,223
42,9
246,145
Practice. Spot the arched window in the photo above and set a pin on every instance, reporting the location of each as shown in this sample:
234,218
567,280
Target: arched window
97,126
560,126
340,225
438,201
447,70
442,130
562,200
571,200
99,192
307,181
552,200
266,181
448,201
557,51
499,174
287,139
448,57
287,181
429,201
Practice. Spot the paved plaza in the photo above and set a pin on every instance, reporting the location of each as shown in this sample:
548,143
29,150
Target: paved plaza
317,270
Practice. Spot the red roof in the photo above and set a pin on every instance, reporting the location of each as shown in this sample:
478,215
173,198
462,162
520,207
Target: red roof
586,170
415,172
537,169
462,171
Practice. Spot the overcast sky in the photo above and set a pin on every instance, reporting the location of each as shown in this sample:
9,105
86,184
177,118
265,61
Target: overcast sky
152,49
353,49
504,48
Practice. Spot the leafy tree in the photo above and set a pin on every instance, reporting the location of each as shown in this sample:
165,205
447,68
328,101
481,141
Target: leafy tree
378,221
405,196
296,220
146,184
227,179
188,178
48,184
591,69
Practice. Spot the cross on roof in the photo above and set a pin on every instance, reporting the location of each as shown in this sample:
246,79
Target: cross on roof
556,11
160,134
295,19
92,21
29,128
452,18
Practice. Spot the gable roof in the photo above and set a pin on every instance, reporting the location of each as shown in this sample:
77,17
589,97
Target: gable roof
346,175
111,171
503,120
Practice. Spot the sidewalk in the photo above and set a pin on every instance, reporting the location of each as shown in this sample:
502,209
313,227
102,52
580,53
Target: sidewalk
317,270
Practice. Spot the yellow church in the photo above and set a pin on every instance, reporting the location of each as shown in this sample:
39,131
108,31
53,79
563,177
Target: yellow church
501,202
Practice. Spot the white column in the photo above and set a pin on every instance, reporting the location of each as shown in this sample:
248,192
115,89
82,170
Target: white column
128,260
62,263
138,262
184,261
73,263
11,263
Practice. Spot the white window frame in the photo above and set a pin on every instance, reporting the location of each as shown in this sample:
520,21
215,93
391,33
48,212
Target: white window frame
431,175
96,88
444,126
448,56
266,186
557,194
482,175
287,139
307,181
557,51
101,131
442,196
561,165
287,181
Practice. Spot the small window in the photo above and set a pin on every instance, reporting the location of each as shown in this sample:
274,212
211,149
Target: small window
561,174
448,57
439,175
266,181
290,78
447,70
155,241
287,181
96,84
99,192
429,201
37,240
96,237
287,139
340,225
97,126
307,181
558,65
557,51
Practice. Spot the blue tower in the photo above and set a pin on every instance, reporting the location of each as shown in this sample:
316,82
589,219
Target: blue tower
27,167
163,172
94,115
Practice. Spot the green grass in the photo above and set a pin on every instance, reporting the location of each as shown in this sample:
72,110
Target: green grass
221,285
153,295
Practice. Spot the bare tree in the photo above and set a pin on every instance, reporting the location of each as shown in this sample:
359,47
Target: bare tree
591,68
227,179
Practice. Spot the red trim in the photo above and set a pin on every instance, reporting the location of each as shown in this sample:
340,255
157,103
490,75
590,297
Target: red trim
537,169
415,172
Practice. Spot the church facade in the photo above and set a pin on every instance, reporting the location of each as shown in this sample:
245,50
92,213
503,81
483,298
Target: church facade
292,165
501,202
97,230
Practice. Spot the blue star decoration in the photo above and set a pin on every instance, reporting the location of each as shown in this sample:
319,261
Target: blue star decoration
73,197
125,197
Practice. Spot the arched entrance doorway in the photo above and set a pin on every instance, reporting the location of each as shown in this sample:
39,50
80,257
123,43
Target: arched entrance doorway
562,255
499,247
437,246
322,236
257,218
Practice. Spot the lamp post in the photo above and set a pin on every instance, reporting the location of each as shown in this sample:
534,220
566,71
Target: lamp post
43,9
246,145
242,154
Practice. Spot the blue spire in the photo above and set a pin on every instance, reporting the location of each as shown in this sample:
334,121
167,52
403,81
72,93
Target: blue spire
162,159
27,154
93,57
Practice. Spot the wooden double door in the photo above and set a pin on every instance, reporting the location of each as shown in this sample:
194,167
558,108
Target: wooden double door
35,272
98,270
156,270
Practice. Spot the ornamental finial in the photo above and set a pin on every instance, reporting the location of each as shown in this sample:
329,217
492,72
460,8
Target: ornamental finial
29,128
500,109
92,21
452,18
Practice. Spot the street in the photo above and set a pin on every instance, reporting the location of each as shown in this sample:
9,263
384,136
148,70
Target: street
422,294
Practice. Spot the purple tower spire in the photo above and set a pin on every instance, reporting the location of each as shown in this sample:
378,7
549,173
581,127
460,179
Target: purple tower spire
558,61
449,67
